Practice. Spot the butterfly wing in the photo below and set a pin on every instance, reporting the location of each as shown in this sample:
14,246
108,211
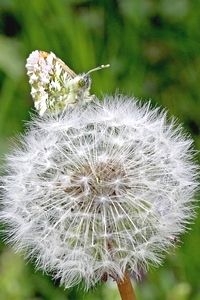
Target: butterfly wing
49,78
70,72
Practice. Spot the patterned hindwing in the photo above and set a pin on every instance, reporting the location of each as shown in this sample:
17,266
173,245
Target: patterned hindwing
51,81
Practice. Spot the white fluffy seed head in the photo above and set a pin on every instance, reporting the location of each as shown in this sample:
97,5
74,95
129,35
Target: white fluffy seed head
99,190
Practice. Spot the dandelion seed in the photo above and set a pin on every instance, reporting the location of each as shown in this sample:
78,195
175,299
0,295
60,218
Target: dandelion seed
99,191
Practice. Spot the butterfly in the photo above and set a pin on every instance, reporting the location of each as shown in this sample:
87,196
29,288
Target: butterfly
54,86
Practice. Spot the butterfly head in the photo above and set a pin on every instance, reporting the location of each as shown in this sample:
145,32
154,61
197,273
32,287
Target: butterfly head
84,81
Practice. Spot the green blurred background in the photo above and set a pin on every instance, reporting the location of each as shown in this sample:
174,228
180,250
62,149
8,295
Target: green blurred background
154,51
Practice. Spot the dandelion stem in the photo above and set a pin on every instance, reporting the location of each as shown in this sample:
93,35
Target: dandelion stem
126,289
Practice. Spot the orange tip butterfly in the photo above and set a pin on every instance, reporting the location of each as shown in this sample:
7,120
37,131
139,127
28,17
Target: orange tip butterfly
54,86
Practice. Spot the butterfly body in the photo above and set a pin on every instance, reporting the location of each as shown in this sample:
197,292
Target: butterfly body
54,86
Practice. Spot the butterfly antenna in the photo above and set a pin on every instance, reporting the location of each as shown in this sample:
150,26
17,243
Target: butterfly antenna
98,68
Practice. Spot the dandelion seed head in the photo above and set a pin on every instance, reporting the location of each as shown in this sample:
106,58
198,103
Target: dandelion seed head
99,190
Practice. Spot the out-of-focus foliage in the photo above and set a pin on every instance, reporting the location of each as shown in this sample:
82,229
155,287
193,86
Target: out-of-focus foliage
154,51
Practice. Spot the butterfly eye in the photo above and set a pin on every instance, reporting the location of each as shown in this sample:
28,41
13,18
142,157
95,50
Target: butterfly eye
81,82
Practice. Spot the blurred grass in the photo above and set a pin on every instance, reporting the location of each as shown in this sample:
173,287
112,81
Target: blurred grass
153,48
